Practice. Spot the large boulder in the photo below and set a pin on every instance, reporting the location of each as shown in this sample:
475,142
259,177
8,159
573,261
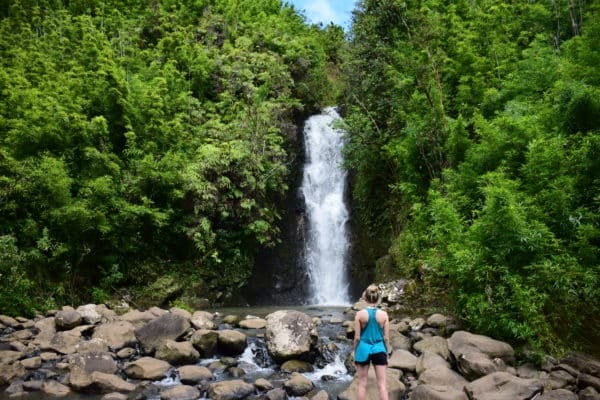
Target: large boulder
402,359
430,360
583,363
177,353
147,368
168,326
230,390
428,392
180,392
503,386
82,366
289,334
441,376
298,385
231,342
434,344
205,341
55,389
395,387
107,383
559,394
203,320
192,374
89,314
253,323
63,342
67,319
474,365
117,334
10,372
462,342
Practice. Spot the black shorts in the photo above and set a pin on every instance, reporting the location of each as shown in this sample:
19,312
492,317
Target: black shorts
376,359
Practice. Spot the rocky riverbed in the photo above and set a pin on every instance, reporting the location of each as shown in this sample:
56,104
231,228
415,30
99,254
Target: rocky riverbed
95,352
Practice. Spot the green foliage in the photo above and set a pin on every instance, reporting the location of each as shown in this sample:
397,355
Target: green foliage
136,136
473,138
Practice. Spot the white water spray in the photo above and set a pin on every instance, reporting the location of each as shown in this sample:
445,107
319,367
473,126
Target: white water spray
323,187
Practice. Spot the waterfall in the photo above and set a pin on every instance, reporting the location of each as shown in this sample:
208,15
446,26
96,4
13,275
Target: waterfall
323,187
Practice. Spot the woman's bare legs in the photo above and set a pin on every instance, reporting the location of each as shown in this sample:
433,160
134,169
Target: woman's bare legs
381,376
363,373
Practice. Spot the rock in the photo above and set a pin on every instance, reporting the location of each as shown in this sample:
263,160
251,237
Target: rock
289,334
253,323
585,380
180,392
395,388
114,396
192,374
276,394
430,360
117,334
320,395
92,345
441,376
138,318
290,366
236,372
462,342
589,393
584,363
8,321
10,372
399,341
231,320
55,389
428,392
181,312
147,368
437,321
10,356
230,390
125,352
103,382
83,366
402,359
67,319
177,353
203,320
474,365
559,394
63,342
46,328
527,371
48,356
416,324
263,384
231,342
168,326
559,379
503,386
32,363
89,315
435,344
298,385
205,342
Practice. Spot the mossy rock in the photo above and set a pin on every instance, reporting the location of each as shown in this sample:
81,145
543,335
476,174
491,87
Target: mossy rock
159,293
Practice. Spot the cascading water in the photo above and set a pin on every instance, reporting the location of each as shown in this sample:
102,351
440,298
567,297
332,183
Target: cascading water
323,187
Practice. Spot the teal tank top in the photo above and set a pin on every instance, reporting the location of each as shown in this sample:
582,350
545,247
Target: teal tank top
371,339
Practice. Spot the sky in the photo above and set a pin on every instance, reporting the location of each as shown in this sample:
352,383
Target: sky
337,11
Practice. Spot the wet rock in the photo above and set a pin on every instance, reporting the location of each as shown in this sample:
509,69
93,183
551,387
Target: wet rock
441,376
192,374
177,353
559,394
276,394
205,342
236,372
126,352
298,385
203,320
296,366
114,396
320,395
231,342
402,359
147,368
395,388
55,389
503,386
180,392
230,390
462,342
231,320
428,392
289,334
263,384
67,320
168,326
117,334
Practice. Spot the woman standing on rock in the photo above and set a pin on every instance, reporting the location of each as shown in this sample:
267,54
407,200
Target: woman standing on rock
371,344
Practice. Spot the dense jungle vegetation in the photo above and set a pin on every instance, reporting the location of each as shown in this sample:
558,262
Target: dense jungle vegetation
147,145
475,141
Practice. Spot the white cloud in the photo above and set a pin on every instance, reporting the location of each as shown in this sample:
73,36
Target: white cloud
322,11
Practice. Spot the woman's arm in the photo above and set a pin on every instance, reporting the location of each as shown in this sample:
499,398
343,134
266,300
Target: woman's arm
386,334
357,329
